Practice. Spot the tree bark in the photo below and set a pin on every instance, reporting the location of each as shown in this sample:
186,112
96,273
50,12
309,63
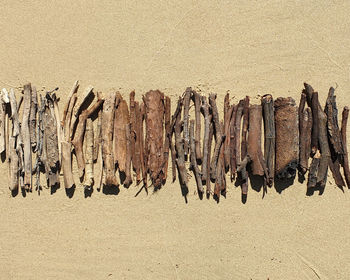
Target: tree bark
287,137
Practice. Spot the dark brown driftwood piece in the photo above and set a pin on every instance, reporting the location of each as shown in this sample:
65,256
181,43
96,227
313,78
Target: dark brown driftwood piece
186,120
206,151
287,137
345,163
193,159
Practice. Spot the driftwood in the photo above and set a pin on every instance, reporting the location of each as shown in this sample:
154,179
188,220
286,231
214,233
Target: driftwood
107,142
254,139
58,125
232,143
269,134
2,126
226,146
197,107
315,124
14,168
135,136
16,132
32,118
166,146
210,141
89,152
312,178
345,162
155,110
243,174
287,137
27,149
186,119
219,137
220,181
98,169
143,159
305,127
128,179
121,119
245,125
206,150
236,156
193,159
68,111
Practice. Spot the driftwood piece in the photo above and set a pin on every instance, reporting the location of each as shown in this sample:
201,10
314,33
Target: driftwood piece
206,149
197,108
2,126
287,137
155,110
143,158
32,118
58,125
166,146
243,174
128,179
305,127
89,152
193,159
16,132
220,181
232,144
13,159
107,142
345,162
245,124
186,119
315,125
174,118
27,151
135,136
269,134
68,111
121,119
226,146
254,139
237,130
98,169
312,178
219,137
79,135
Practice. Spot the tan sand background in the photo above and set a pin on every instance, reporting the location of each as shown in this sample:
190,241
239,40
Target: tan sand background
244,47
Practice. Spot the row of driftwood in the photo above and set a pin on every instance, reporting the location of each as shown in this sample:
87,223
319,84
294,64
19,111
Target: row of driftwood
115,143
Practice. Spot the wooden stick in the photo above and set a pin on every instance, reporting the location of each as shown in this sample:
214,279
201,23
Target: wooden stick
143,156
155,110
134,144
40,143
218,136
237,154
79,135
210,141
287,137
220,182
254,139
13,164
56,112
193,159
16,132
167,137
315,125
305,126
227,153
244,143
232,144
98,170
243,174
345,162
121,119
312,178
107,142
89,152
269,134
2,126
32,118
206,151
73,92
128,179
174,117
186,117
197,107
26,137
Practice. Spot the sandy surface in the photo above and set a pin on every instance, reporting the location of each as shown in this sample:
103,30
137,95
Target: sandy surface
257,48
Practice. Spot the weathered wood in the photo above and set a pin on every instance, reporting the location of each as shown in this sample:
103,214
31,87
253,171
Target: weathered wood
243,174
305,127
128,179
226,146
107,142
269,134
89,153
13,159
232,144
32,118
16,132
345,162
197,108
193,159
166,146
244,143
315,121
220,181
210,141
98,168
237,153
155,110
27,151
2,126
254,139
206,151
186,118
121,119
287,137
39,163
143,157
71,104
312,178
135,141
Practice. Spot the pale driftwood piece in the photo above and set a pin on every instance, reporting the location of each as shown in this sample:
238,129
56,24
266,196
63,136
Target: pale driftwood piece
107,142
81,101
5,96
27,149
206,151
210,141
232,144
197,107
193,159
174,118
219,137
32,118
16,132
226,146
305,126
167,140
269,135
89,151
40,142
73,91
98,169
186,118
254,139
68,111
79,135
56,112
245,124
155,110
121,119
128,179
13,159
2,127
287,137
345,162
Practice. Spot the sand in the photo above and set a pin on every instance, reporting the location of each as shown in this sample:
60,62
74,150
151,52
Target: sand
246,48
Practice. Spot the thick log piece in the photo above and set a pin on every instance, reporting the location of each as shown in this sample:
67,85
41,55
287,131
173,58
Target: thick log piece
121,119
186,119
219,137
155,111
254,139
206,151
193,159
269,134
32,118
345,162
197,107
27,149
287,137
107,141
89,153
